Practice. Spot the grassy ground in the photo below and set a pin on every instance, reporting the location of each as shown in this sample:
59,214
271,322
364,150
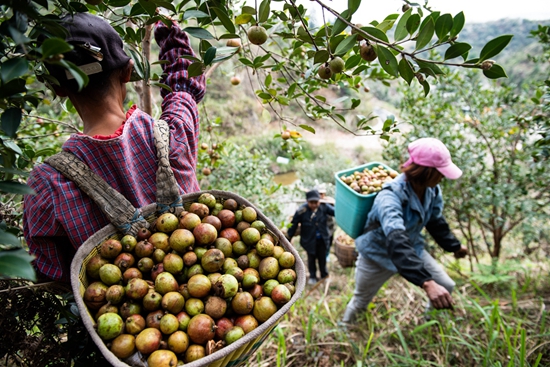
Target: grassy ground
504,325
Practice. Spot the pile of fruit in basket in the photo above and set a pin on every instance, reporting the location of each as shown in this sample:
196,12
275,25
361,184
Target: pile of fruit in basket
369,181
190,287
344,239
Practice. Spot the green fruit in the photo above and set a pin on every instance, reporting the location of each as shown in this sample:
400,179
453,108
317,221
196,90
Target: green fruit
337,65
257,35
109,326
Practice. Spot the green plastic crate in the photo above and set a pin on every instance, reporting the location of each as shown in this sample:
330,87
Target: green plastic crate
351,208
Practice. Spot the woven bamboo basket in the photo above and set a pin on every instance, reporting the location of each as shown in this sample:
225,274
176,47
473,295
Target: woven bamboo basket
233,355
345,254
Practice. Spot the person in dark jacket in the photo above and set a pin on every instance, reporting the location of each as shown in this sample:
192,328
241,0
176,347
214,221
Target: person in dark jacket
392,241
314,237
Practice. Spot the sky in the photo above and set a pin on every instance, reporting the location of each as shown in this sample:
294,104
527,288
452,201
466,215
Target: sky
475,11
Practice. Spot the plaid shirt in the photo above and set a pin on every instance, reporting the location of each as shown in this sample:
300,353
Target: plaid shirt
59,218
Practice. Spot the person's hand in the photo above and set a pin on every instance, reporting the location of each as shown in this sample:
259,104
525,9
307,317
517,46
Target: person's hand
438,295
462,252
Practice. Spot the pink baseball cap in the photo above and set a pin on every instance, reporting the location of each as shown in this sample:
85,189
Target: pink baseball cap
431,152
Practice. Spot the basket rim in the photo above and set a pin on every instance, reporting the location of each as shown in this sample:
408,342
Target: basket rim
109,230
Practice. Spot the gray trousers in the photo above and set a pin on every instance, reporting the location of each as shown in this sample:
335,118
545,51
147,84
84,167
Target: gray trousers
370,277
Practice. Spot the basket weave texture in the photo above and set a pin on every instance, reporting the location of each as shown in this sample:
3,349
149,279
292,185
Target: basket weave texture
345,254
233,355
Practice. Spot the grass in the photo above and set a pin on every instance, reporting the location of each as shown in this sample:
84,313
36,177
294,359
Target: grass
490,326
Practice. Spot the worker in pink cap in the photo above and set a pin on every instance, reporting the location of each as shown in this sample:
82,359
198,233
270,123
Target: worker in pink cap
392,243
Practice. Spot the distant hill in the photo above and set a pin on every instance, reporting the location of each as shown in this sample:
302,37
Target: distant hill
514,58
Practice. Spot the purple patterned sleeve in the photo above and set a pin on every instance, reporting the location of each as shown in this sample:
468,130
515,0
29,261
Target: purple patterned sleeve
173,44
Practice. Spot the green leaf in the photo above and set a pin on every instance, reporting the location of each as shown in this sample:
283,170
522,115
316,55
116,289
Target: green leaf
387,23
346,45
495,72
424,326
353,61
13,187
14,147
425,34
9,239
443,26
199,33
375,32
118,3
17,263
494,46
15,86
14,68
14,171
79,7
387,60
308,128
80,77
225,20
268,80
430,66
264,11
321,56
426,87
11,119
456,50
413,23
248,10
163,86
209,56
339,25
401,29
243,19
149,6
458,24
54,46
195,69
194,13
406,71
355,102
353,5
246,62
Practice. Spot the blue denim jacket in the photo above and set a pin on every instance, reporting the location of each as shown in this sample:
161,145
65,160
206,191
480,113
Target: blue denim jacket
398,207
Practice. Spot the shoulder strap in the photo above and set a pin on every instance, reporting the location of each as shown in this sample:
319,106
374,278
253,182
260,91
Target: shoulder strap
168,194
117,208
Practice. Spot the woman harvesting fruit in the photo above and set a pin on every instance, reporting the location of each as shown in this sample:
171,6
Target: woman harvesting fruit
117,145
392,243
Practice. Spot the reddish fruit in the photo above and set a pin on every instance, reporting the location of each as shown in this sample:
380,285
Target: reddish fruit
144,249
134,324
152,301
247,323
110,248
242,303
280,294
124,261
215,221
148,340
235,80
222,325
93,266
231,234
143,234
230,204
130,274
205,234
153,319
199,209
201,329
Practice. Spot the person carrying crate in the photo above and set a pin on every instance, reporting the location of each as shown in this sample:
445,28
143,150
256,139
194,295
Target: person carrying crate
117,145
314,236
392,243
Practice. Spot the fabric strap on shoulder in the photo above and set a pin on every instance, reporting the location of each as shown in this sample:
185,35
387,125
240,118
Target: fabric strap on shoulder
168,194
117,208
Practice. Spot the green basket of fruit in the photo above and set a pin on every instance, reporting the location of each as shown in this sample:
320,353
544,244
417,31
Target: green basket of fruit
205,288
356,189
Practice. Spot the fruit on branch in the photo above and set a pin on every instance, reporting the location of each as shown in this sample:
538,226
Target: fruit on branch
405,7
324,71
367,52
235,80
257,35
285,135
336,65
354,31
487,64
234,42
